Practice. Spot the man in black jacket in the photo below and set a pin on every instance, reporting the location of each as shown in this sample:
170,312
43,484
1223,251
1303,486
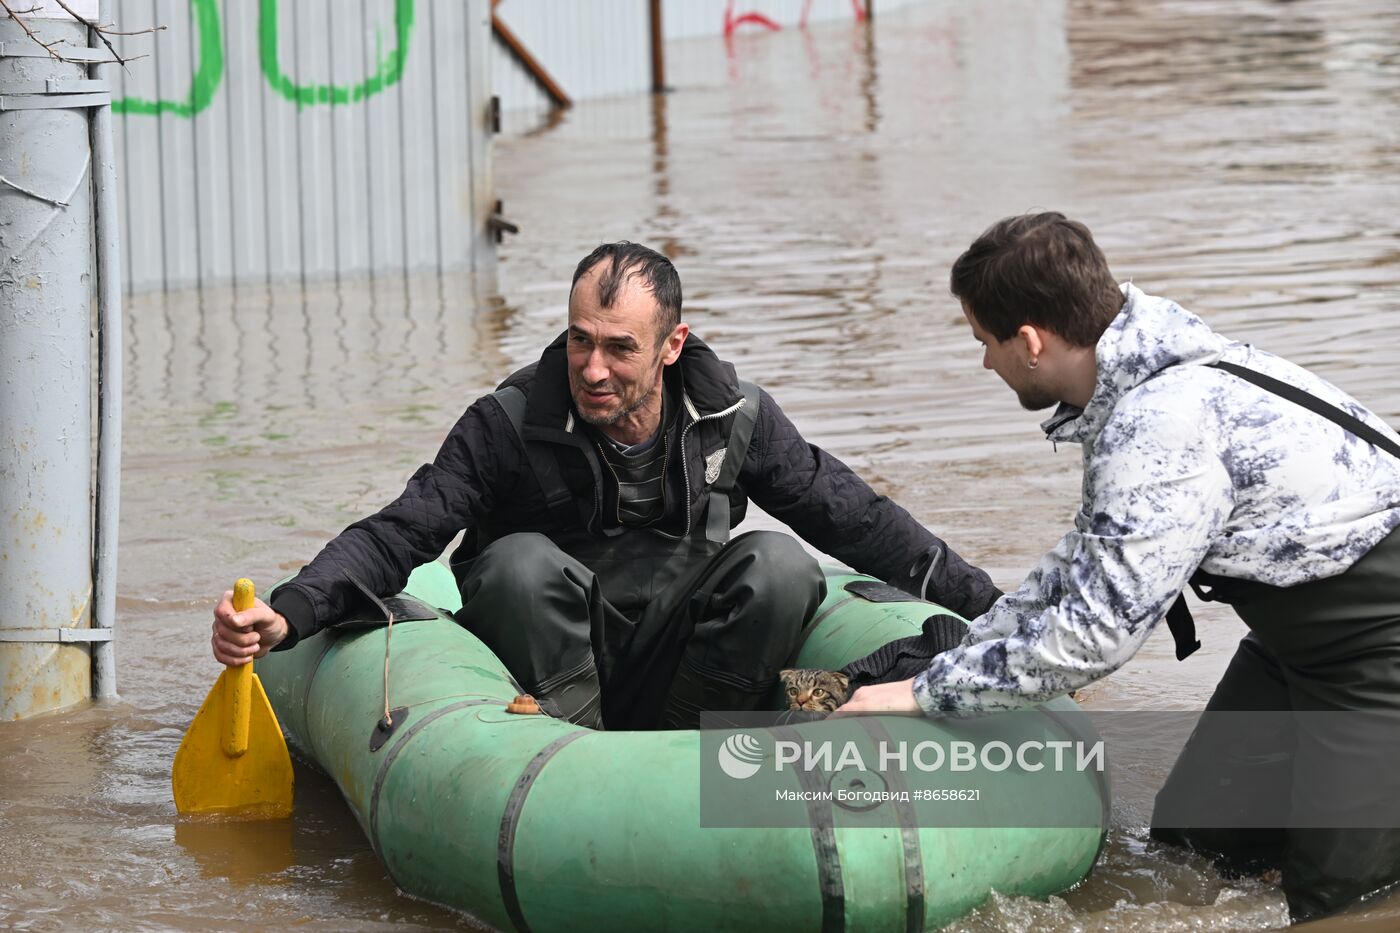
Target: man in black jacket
597,489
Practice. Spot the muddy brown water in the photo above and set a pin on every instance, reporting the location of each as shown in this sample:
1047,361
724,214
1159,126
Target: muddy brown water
813,189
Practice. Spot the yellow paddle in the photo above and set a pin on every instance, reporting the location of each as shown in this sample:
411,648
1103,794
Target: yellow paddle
233,760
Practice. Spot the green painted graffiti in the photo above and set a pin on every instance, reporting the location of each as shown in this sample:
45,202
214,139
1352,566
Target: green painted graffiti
210,72
206,77
389,71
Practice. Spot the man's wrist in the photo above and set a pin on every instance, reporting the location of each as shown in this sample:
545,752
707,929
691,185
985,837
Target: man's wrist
280,629
295,611
924,694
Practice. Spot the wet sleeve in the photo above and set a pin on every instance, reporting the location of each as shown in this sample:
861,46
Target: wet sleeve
441,499
1155,495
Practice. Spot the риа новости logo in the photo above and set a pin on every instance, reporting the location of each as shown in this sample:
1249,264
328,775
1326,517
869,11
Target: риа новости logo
740,756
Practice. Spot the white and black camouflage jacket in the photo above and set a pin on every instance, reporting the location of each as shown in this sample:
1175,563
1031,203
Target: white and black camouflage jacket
1185,466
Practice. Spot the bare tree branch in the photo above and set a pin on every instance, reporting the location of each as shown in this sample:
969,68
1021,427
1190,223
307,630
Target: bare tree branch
69,10
108,30
104,31
47,46
53,48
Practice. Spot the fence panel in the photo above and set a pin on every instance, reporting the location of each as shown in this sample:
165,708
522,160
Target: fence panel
302,139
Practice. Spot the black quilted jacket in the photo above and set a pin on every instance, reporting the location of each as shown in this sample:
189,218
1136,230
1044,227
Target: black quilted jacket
481,482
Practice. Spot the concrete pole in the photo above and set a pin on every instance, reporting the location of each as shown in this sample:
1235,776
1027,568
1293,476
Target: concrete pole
46,298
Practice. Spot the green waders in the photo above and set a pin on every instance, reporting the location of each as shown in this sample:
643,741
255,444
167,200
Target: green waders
631,629
1303,774
623,632
1295,762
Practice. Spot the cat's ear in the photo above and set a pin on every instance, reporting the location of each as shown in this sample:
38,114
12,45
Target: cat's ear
842,679
784,675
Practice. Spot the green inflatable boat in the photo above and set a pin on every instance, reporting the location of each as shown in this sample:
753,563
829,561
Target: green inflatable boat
525,822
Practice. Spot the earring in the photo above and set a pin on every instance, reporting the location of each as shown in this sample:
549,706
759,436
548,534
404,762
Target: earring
1032,363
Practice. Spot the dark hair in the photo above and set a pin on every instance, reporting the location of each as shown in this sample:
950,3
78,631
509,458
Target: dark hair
632,259
1041,269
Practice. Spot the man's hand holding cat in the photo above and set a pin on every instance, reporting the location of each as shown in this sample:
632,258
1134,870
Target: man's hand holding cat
896,697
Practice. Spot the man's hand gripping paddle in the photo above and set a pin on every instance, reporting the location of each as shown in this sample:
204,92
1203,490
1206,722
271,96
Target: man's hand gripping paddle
233,760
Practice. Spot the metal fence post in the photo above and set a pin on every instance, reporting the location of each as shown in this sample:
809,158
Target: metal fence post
484,123
658,47
107,494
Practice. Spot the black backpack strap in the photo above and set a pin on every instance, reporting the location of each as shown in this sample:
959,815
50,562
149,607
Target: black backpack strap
1179,619
1313,404
740,434
1183,628
543,462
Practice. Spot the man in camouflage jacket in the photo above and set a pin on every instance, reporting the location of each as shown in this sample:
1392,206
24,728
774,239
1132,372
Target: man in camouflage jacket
1210,462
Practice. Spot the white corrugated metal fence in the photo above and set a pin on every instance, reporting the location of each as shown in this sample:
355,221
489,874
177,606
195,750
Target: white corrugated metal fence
285,139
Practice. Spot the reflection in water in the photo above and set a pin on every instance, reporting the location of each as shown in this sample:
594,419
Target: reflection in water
241,851
1238,156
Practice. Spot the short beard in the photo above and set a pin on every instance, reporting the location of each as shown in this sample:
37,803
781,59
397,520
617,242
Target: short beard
1035,399
610,420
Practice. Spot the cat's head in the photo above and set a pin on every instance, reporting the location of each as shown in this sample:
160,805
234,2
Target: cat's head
818,691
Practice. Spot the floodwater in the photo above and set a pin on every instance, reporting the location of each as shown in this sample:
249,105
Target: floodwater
813,188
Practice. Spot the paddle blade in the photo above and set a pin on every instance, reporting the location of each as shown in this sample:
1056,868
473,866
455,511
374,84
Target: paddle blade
254,784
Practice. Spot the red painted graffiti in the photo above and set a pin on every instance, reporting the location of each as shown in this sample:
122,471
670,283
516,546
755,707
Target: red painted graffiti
732,22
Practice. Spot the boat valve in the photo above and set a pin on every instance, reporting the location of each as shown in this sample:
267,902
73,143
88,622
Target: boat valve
524,704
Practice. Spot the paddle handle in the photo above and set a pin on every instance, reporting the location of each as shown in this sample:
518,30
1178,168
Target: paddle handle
238,685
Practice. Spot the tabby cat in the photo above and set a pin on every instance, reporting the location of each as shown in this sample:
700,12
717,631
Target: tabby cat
816,691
